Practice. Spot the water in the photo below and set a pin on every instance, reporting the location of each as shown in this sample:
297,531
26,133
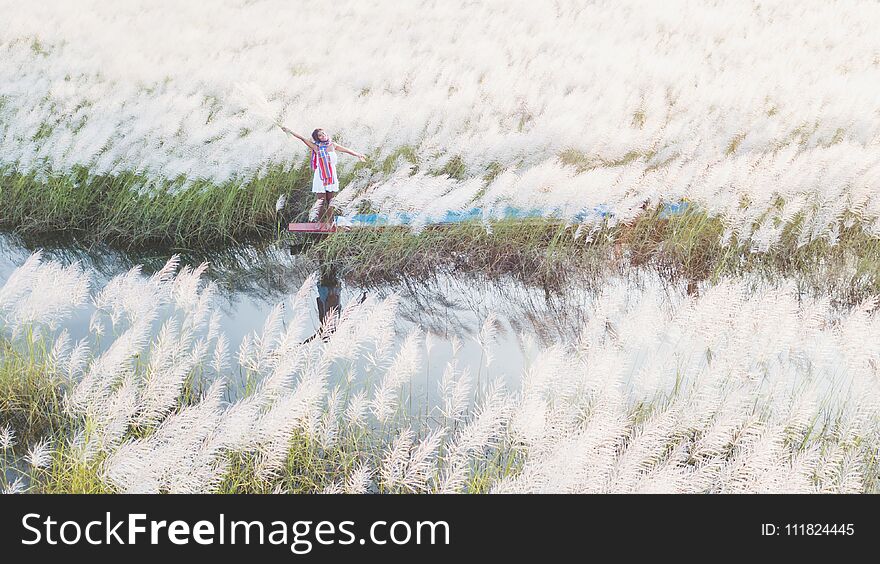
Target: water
450,307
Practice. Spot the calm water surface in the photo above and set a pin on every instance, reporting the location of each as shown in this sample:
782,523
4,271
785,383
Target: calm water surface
252,281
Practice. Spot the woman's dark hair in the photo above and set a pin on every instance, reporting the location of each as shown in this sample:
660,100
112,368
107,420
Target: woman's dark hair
315,134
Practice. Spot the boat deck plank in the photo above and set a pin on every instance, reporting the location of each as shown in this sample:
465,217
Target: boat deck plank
312,228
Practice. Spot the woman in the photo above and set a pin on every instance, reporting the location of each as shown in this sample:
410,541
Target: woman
326,179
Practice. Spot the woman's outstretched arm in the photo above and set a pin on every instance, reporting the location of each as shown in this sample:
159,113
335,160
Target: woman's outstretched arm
360,156
309,143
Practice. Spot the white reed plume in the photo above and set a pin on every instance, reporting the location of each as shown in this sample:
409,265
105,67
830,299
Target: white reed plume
487,336
640,454
289,413
395,459
77,359
245,355
236,430
170,363
180,457
113,415
329,426
131,297
430,341
455,392
456,345
168,271
737,420
20,282
264,344
407,466
487,426
43,292
251,96
96,326
7,437
333,488
290,340
39,456
213,327
220,357
281,202
385,398
17,486
359,479
60,351
110,368
350,332
356,410
191,294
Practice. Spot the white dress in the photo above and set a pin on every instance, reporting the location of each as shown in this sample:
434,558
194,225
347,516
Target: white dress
318,185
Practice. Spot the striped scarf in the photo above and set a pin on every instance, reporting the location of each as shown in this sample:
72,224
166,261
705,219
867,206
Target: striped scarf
322,163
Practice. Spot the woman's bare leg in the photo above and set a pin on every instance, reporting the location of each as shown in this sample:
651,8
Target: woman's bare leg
320,210
327,215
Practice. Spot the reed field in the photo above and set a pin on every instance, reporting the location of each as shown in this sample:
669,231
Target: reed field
707,172
757,113
743,389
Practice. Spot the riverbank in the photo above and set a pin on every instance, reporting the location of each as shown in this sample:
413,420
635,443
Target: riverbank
130,211
689,246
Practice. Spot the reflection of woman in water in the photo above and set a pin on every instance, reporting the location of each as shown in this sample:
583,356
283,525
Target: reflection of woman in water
326,179
329,302
328,298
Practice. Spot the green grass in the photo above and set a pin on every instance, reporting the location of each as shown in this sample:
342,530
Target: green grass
69,474
454,168
583,162
406,153
31,404
128,211
30,393
536,251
